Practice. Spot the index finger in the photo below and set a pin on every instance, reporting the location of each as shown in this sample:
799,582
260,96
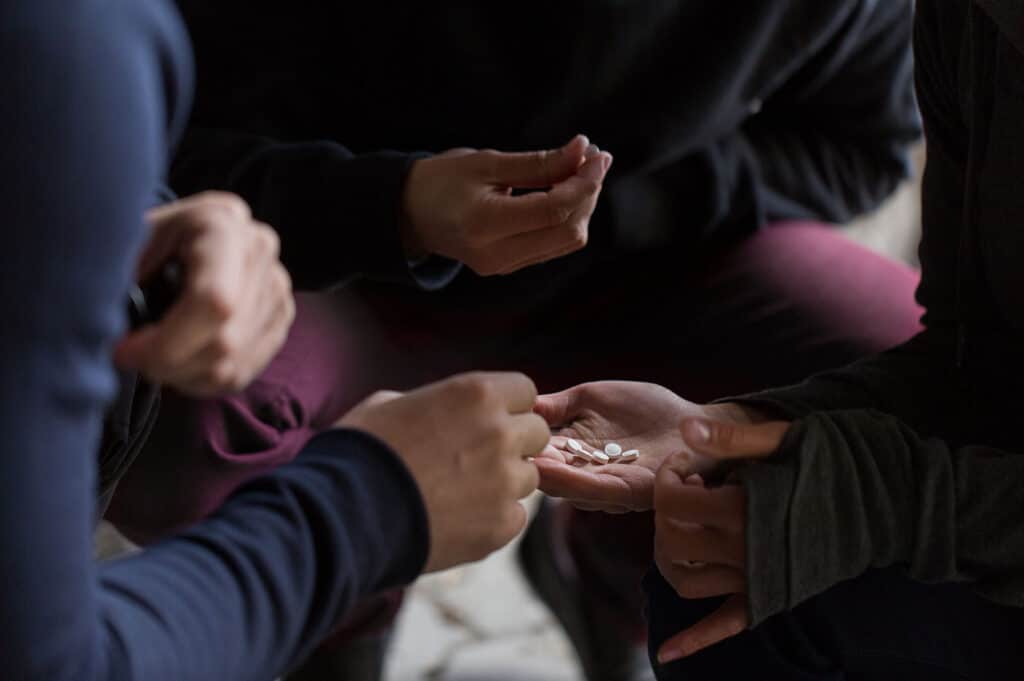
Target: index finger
518,214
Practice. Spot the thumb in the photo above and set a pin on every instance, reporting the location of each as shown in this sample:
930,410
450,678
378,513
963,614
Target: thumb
724,440
536,169
558,408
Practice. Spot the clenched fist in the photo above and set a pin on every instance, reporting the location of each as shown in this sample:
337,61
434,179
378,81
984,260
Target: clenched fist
236,306
468,442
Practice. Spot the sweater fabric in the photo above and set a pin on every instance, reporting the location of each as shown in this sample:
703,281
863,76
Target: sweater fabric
94,93
721,116
913,459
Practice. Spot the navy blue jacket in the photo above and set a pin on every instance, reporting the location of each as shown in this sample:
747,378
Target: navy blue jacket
93,92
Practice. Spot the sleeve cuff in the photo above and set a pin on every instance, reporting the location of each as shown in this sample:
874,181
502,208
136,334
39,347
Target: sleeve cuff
396,535
381,177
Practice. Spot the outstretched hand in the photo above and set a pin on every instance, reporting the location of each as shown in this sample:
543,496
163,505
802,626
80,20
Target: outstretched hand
640,416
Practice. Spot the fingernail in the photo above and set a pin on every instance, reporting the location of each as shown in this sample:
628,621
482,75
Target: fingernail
586,140
670,655
696,432
592,150
607,161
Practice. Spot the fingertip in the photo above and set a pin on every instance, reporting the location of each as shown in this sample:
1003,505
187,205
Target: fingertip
553,408
696,433
670,652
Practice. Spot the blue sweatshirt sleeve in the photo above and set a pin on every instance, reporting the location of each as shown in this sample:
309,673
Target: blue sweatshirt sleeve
93,90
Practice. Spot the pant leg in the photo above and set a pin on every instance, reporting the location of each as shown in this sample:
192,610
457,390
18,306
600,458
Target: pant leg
201,450
879,627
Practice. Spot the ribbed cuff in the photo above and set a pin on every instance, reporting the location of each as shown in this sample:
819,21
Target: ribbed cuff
405,542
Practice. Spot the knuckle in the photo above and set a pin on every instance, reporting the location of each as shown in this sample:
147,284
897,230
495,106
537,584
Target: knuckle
558,213
223,375
224,345
218,303
267,239
490,161
725,435
543,160
473,387
287,316
283,281
578,235
230,203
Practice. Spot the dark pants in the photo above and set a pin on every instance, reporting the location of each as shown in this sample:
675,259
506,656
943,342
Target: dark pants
789,301
878,627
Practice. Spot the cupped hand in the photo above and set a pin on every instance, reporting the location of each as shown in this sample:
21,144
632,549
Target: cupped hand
463,205
640,416
236,306
700,542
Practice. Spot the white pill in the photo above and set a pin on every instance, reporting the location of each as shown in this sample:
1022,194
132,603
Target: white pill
630,456
575,446
612,449
586,456
601,457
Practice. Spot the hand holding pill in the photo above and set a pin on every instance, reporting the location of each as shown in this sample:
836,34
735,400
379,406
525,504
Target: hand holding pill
469,442
463,205
635,425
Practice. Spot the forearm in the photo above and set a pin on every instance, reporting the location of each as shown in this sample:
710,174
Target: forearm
338,213
287,555
854,490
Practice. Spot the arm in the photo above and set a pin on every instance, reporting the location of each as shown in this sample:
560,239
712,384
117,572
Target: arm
830,143
863,489
833,143
943,513
919,381
338,213
242,596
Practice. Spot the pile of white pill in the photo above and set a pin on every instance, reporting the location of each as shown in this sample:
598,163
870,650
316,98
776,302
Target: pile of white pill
612,453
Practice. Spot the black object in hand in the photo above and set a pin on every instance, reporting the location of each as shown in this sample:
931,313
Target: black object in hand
149,301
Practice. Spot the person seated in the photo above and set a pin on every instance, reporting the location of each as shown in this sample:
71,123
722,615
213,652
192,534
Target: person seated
866,523
365,136
96,93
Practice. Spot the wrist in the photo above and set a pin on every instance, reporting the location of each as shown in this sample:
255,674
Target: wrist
412,242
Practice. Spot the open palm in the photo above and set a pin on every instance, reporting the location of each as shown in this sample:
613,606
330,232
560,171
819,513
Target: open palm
640,416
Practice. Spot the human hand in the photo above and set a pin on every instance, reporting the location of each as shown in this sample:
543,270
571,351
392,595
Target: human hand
467,441
700,533
236,306
640,416
461,205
